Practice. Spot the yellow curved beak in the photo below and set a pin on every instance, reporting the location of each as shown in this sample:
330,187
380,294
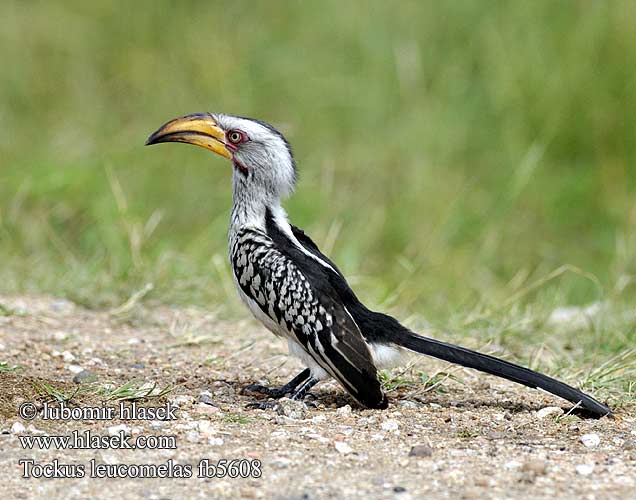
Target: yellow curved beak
199,129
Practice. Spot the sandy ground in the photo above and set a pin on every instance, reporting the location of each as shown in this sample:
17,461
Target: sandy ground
481,439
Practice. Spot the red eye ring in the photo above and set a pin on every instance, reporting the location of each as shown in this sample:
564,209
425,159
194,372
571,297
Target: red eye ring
236,136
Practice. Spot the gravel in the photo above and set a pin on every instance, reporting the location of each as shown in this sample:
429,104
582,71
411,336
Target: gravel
482,438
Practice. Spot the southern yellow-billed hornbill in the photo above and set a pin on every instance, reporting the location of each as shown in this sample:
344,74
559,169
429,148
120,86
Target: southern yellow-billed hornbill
298,293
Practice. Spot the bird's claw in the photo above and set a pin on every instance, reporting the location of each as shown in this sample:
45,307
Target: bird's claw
262,405
261,389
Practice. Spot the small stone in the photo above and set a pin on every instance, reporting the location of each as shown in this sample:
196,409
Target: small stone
629,444
138,366
192,436
512,464
549,411
344,410
390,425
206,428
17,427
584,469
590,440
399,489
67,356
496,435
291,409
181,400
114,430
535,467
342,447
281,463
75,368
215,441
407,404
84,376
421,450
205,408
206,398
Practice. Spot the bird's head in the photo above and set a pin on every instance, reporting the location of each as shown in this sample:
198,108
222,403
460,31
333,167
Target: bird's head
261,156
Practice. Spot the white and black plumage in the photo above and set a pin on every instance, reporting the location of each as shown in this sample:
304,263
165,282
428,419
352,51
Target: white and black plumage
298,293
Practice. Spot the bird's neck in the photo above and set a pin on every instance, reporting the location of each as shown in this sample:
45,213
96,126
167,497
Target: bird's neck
249,207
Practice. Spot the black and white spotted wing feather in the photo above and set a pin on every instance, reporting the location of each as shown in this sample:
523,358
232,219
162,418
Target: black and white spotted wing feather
305,309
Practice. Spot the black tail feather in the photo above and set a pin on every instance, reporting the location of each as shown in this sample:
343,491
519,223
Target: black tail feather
501,368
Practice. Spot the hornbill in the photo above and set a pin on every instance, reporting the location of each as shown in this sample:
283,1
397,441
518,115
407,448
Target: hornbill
299,293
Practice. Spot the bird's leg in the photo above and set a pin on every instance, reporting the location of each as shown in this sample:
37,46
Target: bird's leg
279,392
296,395
302,391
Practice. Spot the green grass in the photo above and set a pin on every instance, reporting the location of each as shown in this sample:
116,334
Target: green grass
5,367
473,163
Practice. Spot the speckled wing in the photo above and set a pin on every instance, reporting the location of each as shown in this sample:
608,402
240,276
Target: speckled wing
306,308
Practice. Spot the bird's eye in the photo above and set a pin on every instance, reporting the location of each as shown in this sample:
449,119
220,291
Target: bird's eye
236,136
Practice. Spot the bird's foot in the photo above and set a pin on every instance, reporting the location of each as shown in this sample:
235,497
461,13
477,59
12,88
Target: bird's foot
272,392
262,405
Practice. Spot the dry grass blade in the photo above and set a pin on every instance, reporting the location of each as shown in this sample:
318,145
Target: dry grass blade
134,299
130,391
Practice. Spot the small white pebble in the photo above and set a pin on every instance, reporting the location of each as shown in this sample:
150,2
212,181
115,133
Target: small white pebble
206,428
318,438
318,418
513,464
67,356
584,469
590,440
342,447
17,428
215,441
407,404
344,410
549,411
281,462
114,430
390,425
133,341
205,408
192,436
182,399
75,369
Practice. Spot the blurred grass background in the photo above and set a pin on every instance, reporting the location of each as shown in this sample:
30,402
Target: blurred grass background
452,154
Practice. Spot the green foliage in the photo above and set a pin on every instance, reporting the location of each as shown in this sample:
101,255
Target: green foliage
451,153
5,367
